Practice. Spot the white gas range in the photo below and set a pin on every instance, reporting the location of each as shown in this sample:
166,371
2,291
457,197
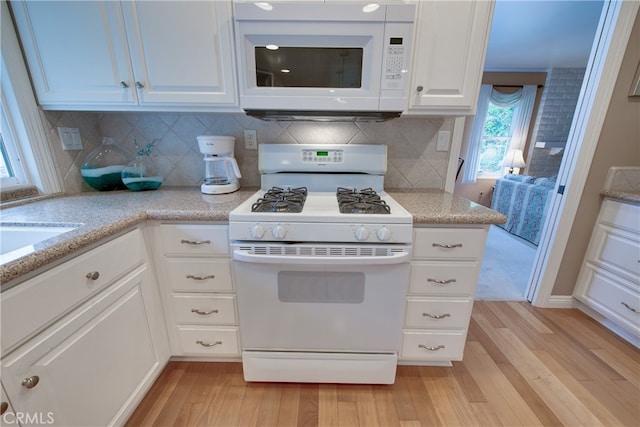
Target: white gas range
321,262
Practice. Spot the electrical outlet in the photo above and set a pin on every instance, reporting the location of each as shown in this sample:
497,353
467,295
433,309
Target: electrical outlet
250,140
443,140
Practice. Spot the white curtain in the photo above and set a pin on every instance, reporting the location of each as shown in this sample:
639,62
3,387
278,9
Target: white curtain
524,98
473,151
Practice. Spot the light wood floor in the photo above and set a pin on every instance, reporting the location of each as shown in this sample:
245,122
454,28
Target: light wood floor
522,366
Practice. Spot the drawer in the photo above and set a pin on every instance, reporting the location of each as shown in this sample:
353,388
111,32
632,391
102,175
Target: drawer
623,215
432,345
209,341
194,239
438,313
205,309
617,251
199,275
449,243
444,278
613,298
30,306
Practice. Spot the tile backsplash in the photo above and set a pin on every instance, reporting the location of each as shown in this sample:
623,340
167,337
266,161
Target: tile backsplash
413,161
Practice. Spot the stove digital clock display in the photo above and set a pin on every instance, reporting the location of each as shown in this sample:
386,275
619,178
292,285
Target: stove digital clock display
322,153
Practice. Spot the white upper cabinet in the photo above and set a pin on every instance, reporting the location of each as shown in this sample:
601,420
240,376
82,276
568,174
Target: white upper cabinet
144,55
449,52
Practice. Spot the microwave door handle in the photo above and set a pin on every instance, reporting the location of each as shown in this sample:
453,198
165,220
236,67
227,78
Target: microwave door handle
398,258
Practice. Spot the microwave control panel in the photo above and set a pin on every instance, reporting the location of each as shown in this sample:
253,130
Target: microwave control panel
396,56
394,64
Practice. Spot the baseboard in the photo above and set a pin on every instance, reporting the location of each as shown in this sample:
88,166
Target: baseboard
560,301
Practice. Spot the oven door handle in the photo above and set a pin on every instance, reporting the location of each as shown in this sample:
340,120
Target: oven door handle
398,258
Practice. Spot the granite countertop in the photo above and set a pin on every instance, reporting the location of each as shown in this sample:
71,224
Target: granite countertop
624,196
103,215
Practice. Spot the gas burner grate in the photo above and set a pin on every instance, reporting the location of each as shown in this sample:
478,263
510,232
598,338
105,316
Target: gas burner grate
276,199
361,201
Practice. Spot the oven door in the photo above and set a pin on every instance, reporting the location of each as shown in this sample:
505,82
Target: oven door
305,300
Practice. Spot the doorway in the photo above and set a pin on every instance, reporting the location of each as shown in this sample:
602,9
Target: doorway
545,264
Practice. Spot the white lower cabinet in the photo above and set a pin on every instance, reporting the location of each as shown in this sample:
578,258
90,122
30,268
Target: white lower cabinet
194,269
444,275
92,365
608,286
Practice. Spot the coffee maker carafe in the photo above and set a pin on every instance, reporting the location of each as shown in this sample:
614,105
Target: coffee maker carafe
221,169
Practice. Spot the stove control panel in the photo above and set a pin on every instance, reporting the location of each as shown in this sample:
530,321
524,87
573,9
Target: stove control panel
322,156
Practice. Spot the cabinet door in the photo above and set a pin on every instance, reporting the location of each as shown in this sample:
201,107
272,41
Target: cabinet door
77,53
450,48
90,365
182,51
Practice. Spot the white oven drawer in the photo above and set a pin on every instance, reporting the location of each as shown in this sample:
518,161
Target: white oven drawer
434,346
205,309
199,275
438,313
194,239
449,243
444,278
207,340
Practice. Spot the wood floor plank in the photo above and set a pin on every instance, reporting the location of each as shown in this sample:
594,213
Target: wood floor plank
385,408
522,366
503,398
308,406
328,405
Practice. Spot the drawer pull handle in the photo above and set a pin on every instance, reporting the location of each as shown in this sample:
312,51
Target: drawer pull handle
31,382
208,344
447,246
441,282
195,242
628,307
191,276
436,316
3,407
431,348
203,313
93,275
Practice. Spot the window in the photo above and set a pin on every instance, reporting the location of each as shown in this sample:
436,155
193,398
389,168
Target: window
501,124
495,140
11,172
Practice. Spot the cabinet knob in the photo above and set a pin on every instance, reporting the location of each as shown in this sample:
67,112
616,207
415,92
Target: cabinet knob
139,85
420,88
208,344
3,407
123,85
31,382
93,275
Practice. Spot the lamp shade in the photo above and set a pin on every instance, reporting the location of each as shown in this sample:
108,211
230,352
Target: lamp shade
513,159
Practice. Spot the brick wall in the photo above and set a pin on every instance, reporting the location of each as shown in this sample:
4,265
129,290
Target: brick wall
553,123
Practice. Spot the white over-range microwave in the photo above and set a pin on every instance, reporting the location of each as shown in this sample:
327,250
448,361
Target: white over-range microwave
300,59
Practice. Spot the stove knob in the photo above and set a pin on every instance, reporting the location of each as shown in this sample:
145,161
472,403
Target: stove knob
279,232
383,234
256,232
362,234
